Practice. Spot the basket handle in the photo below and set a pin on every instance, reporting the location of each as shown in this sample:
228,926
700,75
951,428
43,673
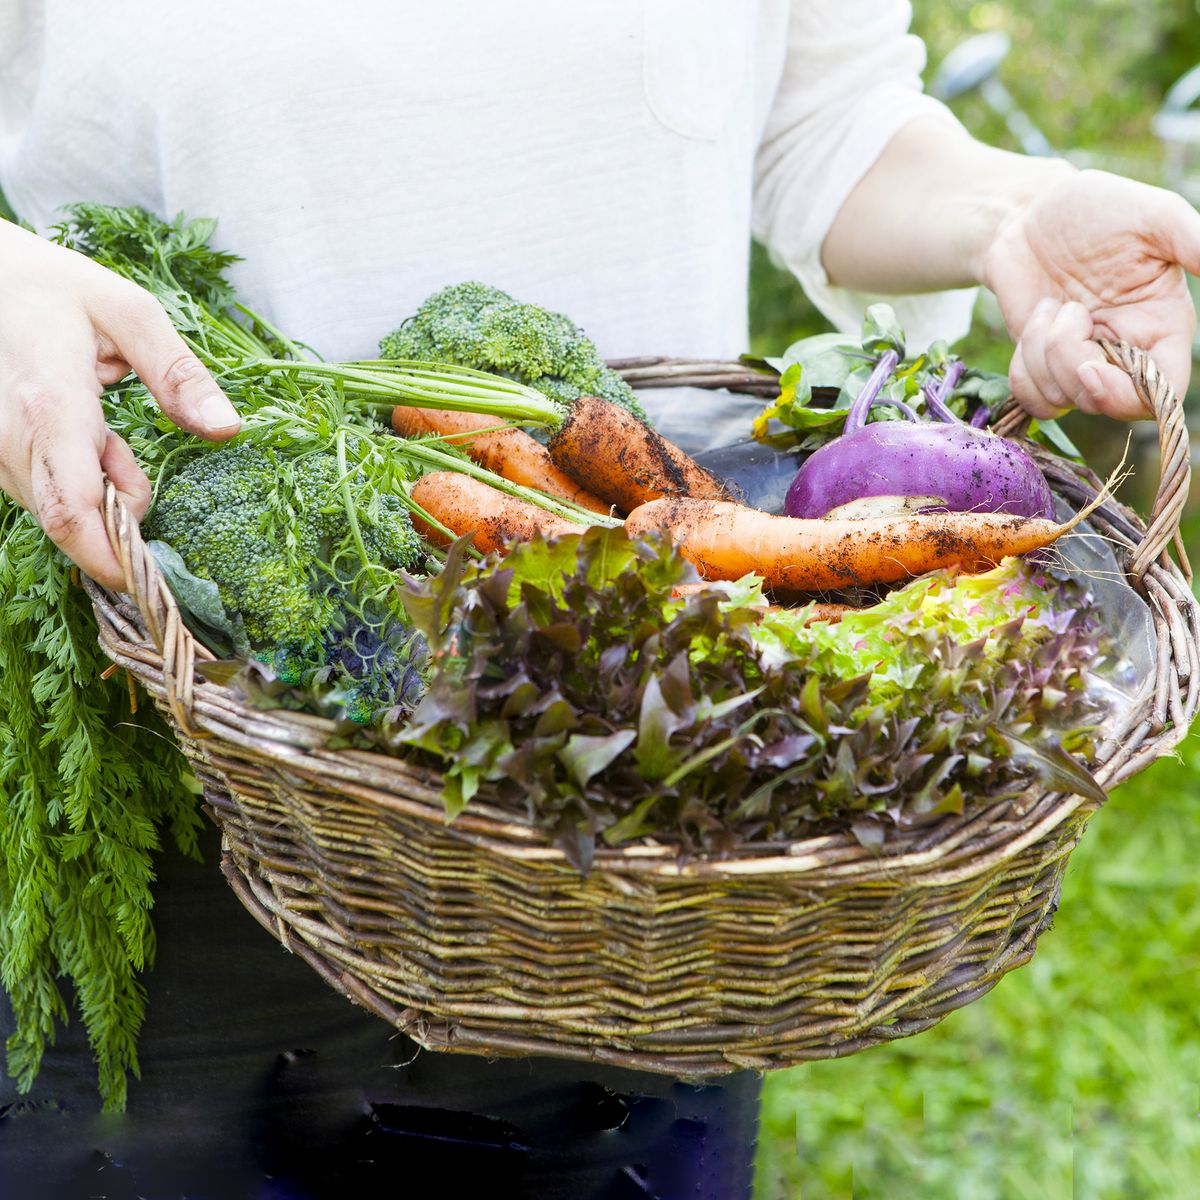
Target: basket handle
1162,402
1174,456
1151,385
146,586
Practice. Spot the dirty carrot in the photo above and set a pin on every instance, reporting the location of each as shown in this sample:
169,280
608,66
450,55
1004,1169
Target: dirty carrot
602,446
727,541
623,461
464,505
506,451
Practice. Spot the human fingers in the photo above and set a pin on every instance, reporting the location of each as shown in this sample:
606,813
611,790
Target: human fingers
1077,364
140,334
1033,385
1110,391
119,465
1111,388
1025,392
66,485
1059,366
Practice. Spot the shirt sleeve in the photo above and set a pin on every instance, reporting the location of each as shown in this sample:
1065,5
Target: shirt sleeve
851,81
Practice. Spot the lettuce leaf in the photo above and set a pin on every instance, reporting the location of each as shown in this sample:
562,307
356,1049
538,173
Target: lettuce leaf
591,697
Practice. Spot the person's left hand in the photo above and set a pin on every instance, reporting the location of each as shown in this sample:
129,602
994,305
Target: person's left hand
1094,255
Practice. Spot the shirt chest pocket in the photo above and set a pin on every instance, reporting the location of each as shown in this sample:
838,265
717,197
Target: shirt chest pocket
695,62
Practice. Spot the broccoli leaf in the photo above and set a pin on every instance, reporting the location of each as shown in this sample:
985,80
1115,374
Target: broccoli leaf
200,601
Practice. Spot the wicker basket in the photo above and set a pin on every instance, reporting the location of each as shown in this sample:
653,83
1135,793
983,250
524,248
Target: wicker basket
479,937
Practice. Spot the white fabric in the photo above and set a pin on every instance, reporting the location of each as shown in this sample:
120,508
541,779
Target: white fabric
597,157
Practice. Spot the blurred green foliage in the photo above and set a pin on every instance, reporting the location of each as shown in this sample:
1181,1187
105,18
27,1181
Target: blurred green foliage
1090,75
1078,1077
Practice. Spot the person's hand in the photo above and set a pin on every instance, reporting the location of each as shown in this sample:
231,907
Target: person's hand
68,327
1094,255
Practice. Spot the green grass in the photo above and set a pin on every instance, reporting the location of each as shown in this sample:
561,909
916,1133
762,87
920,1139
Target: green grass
1076,1077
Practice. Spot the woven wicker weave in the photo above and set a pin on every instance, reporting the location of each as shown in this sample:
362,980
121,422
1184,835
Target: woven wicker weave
479,937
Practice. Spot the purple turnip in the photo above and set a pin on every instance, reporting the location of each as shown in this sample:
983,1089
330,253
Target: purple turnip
943,464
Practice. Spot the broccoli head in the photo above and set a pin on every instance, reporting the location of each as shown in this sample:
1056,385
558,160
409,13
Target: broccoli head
273,533
474,325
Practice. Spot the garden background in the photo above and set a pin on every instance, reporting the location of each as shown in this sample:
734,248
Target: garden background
1079,1075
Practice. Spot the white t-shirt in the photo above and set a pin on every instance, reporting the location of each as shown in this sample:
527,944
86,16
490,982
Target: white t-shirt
607,158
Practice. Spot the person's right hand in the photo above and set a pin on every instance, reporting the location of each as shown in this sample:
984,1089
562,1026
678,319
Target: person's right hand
68,328
1094,255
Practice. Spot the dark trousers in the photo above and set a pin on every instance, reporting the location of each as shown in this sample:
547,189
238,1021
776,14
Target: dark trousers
261,1083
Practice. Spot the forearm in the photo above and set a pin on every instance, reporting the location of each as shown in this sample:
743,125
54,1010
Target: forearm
924,216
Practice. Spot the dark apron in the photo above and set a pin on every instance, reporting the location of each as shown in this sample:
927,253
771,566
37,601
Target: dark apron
260,1082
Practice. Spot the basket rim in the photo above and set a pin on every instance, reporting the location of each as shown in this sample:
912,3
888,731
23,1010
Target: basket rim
141,630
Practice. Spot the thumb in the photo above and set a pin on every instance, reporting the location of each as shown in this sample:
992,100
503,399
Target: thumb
143,336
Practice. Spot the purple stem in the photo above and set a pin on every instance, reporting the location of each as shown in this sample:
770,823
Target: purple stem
980,417
937,391
856,418
909,413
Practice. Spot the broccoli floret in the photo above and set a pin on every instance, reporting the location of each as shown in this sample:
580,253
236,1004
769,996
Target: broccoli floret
272,532
474,325
294,663
388,534
381,664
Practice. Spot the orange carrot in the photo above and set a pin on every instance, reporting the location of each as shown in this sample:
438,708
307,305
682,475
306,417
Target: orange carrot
508,451
727,541
466,505
622,460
